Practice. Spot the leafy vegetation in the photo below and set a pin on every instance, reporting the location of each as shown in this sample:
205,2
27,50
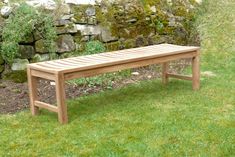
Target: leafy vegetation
217,32
147,119
16,76
20,26
171,18
106,80
93,47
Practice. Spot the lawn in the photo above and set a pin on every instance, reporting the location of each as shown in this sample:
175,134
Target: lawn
145,119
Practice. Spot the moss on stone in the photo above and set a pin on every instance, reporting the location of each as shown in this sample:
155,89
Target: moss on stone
129,43
113,46
77,37
66,55
141,41
40,46
1,60
129,20
101,19
16,76
80,13
27,39
54,56
1,68
81,46
159,39
1,4
40,58
2,22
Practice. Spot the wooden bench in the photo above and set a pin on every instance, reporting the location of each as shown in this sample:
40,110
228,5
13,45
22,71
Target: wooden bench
90,65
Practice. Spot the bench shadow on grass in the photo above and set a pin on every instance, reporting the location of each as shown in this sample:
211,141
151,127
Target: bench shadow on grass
121,98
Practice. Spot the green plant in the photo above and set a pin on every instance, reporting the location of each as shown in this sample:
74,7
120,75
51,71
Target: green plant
19,76
20,25
102,80
93,47
105,80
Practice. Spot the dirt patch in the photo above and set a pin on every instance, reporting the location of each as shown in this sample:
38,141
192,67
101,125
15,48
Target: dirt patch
14,96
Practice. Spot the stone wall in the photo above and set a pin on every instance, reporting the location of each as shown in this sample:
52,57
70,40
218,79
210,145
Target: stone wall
118,24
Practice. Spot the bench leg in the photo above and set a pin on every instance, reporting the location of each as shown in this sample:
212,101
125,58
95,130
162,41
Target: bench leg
60,97
196,72
165,77
32,84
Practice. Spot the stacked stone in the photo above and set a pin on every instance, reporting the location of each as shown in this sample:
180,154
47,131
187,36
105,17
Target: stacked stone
1,64
118,24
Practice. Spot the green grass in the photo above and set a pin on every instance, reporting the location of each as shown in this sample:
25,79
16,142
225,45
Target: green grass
147,119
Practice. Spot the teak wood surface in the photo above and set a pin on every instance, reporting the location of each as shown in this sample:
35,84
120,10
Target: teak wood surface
90,65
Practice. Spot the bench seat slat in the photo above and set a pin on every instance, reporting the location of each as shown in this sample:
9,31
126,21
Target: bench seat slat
79,61
59,65
112,58
48,66
67,63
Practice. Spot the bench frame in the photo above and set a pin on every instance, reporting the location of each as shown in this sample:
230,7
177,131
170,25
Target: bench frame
60,77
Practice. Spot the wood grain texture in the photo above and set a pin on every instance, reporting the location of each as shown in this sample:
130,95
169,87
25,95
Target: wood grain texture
32,85
42,74
182,77
165,78
116,57
60,97
196,71
135,64
90,65
46,106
